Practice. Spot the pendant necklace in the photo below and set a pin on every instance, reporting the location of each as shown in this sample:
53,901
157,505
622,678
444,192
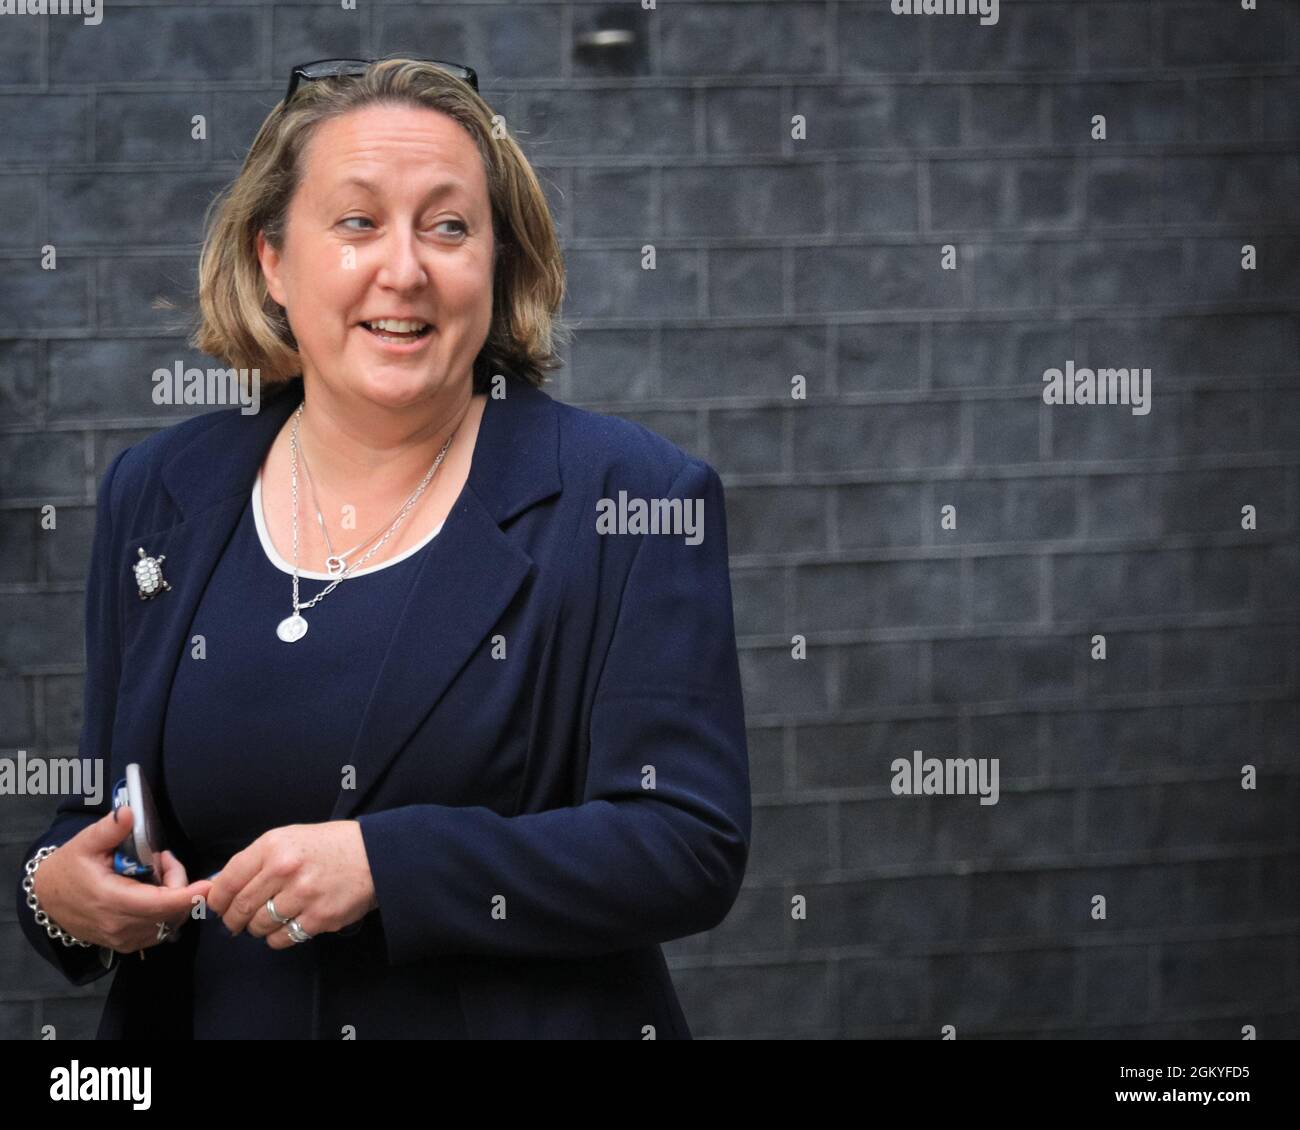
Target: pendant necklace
293,627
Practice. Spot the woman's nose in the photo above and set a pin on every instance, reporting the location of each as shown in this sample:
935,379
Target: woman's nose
402,267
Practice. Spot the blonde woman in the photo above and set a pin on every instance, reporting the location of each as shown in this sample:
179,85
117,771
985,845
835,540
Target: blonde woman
444,737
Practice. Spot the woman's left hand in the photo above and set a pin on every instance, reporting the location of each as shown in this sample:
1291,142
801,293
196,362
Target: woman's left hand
316,873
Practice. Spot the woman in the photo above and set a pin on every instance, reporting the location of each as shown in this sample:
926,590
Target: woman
459,778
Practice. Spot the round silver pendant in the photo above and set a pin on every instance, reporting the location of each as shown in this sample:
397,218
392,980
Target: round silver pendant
292,628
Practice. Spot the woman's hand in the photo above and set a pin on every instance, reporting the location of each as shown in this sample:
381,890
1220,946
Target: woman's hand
316,873
78,888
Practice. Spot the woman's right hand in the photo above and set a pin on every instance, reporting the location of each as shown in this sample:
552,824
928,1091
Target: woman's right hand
78,888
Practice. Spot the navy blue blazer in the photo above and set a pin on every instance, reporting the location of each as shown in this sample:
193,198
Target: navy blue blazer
595,775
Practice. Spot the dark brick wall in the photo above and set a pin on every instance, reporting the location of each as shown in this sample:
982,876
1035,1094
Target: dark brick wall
819,257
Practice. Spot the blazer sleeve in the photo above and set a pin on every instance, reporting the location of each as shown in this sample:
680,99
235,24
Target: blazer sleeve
78,964
657,848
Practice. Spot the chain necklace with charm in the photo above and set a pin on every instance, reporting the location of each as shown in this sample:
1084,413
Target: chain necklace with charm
292,628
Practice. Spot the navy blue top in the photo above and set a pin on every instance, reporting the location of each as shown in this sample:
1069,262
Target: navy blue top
290,716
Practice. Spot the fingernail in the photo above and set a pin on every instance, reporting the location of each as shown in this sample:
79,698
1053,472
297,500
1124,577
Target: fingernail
115,812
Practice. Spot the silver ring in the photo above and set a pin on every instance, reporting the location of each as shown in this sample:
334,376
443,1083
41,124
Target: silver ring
163,930
270,909
296,932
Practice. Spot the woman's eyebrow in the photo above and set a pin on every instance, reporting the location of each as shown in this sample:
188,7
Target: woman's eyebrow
442,188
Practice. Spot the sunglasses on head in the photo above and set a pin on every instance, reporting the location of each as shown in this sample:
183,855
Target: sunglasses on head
337,68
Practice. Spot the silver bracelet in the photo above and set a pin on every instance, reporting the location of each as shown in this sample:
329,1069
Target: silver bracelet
29,885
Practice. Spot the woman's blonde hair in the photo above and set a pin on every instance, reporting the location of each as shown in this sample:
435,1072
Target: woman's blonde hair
239,321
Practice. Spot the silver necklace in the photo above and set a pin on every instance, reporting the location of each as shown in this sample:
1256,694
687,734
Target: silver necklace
335,563
292,628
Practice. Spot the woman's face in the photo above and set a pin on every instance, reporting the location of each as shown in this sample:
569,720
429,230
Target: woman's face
391,220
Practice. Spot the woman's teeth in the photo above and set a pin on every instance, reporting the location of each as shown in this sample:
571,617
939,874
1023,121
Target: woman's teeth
398,331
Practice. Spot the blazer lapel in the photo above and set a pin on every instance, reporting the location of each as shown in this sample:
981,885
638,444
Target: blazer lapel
467,576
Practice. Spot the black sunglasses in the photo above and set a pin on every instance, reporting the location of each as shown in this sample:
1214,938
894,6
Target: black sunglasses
337,68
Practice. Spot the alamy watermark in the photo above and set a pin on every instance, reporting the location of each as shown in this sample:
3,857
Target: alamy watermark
682,516
948,776
49,776
91,11
987,10
179,385
1104,386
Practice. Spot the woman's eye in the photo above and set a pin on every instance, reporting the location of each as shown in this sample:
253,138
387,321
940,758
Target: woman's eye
351,219
458,223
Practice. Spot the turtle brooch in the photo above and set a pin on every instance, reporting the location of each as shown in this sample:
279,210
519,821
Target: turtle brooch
148,575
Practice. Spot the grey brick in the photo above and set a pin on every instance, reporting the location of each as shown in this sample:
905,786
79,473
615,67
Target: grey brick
1008,510
1004,590
1002,670
879,435
738,200
1109,273
880,515
19,530
970,990
105,208
1204,34
1005,431
876,196
857,755
1230,189
65,550
39,467
613,284
784,38
157,44
775,520
1118,36
883,992
1117,982
1217,274
34,299
789,841
746,441
758,599
755,362
98,378
1212,658
870,40
745,281
893,594
1037,37
885,278
149,127
1090,743
1004,114
983,354
59,134
774,683
747,120
878,674
878,357
613,203
613,365
790,999
1224,421
1227,971
20,204
315,31
16,726
1130,667
130,293
1134,111
21,389
38,628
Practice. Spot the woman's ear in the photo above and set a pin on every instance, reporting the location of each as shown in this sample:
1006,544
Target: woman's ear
269,258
